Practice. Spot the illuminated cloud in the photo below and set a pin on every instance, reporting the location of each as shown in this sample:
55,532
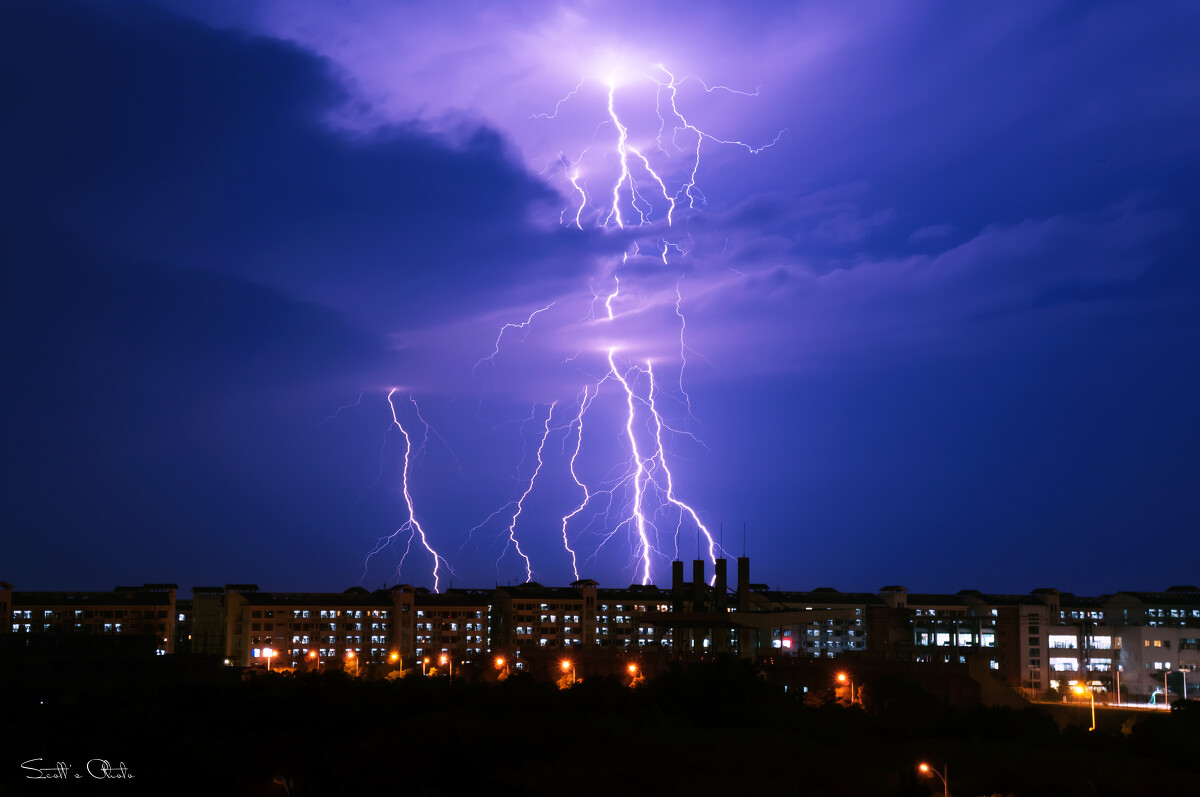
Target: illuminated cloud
239,226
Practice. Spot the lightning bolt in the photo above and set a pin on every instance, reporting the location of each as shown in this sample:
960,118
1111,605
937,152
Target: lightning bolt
559,104
637,516
625,189
512,525
635,187
584,403
661,456
683,347
339,410
428,430
672,89
500,336
412,525
608,302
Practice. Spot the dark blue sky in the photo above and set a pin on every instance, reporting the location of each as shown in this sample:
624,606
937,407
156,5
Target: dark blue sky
942,333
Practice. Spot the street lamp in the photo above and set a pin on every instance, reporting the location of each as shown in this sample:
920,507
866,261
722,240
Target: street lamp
315,654
425,666
268,653
394,657
842,679
1082,690
502,666
350,655
925,769
446,660
569,666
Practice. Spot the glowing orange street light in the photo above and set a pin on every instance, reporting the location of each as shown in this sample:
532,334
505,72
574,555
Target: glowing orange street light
425,666
350,655
925,769
315,654
448,662
1080,690
569,666
395,657
842,679
502,665
632,669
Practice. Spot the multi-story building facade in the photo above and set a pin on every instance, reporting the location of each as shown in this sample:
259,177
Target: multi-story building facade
455,624
146,613
1137,642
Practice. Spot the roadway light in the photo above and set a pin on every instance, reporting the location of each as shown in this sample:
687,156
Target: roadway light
1080,690
843,678
925,769
634,674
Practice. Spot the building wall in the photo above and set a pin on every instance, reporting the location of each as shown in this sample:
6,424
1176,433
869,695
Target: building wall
1034,642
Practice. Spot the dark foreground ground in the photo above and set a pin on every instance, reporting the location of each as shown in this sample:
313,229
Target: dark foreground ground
715,728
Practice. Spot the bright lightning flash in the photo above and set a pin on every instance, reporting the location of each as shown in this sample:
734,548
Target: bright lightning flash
646,178
412,525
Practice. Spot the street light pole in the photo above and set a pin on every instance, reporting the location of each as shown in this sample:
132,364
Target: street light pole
944,775
449,662
1079,690
843,678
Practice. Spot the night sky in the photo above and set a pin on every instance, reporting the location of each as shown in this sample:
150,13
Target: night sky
943,332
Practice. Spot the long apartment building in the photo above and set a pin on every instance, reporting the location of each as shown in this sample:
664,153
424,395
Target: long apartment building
145,615
1139,642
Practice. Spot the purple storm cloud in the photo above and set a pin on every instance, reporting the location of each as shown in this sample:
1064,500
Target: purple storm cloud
559,290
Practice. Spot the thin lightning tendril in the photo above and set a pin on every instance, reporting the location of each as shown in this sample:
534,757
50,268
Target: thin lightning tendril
523,325
512,525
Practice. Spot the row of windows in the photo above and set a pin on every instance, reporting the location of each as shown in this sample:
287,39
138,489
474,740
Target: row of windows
449,626
89,628
87,614
1178,614
573,606
447,614
326,614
